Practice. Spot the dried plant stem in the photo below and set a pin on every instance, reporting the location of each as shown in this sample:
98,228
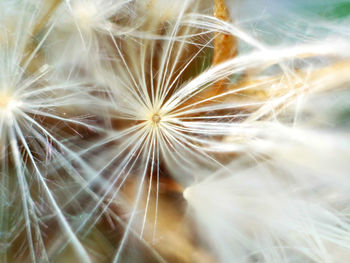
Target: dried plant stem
225,46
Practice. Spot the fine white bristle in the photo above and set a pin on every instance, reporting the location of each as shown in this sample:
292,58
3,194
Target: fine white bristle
174,126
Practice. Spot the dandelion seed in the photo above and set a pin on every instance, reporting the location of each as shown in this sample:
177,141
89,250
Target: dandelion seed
172,124
29,145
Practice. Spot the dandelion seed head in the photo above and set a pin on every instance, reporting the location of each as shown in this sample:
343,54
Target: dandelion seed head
8,103
85,14
91,15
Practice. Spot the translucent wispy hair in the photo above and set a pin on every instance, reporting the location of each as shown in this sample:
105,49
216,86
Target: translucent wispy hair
164,120
82,29
307,20
285,201
38,115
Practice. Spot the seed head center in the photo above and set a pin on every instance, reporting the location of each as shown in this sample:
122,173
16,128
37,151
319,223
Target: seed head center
156,118
4,101
8,103
85,15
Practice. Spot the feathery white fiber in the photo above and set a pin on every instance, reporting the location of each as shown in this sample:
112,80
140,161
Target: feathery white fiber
287,203
172,131
32,109
157,122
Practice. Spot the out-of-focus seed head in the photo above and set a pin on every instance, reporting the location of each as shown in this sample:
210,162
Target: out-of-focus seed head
8,103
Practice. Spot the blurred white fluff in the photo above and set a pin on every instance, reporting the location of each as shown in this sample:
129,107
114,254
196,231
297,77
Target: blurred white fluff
290,22
82,29
285,201
34,113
